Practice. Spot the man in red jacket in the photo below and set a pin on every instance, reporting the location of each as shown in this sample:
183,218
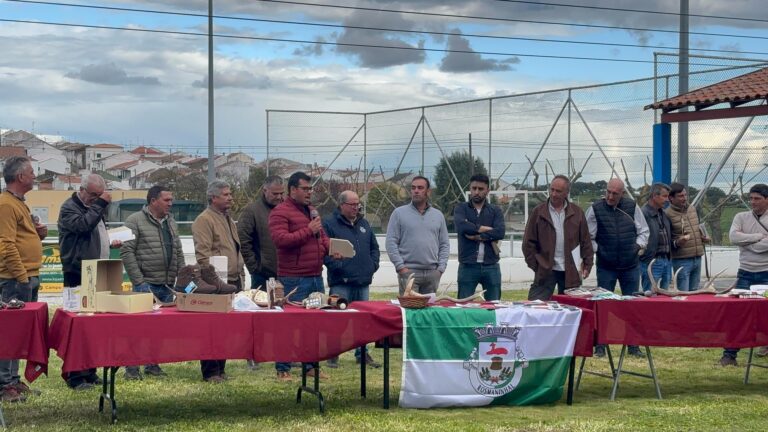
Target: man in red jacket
301,243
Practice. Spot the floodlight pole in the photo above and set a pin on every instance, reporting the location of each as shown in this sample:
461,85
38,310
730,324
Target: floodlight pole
683,69
211,172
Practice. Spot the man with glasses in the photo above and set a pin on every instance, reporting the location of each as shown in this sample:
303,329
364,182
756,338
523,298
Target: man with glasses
417,240
83,236
619,235
479,226
21,255
349,278
302,244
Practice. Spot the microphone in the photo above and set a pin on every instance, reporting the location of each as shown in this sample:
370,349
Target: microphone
312,215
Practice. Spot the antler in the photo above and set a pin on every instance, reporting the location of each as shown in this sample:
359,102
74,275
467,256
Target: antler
708,288
443,296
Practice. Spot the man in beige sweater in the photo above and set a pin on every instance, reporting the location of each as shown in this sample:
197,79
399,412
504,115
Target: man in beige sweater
749,231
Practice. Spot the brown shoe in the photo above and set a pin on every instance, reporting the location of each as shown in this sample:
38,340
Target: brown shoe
25,390
10,394
284,377
216,379
762,352
728,361
311,373
192,273
370,361
209,275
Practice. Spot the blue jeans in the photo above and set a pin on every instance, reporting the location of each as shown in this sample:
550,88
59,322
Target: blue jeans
10,289
662,272
628,279
306,286
162,292
487,275
689,277
744,280
351,293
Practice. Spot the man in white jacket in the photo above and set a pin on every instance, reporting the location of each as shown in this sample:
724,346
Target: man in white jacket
749,232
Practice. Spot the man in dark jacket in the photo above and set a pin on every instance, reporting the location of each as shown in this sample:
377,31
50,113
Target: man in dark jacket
479,228
659,239
302,244
554,230
350,278
258,250
154,257
619,234
83,236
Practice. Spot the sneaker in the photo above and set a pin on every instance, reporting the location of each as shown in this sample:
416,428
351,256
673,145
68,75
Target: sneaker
10,394
224,376
728,361
24,389
83,386
599,351
332,363
132,373
284,376
311,373
762,352
370,361
635,352
216,379
154,370
253,366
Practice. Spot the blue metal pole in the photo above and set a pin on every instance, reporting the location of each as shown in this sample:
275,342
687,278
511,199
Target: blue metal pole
662,153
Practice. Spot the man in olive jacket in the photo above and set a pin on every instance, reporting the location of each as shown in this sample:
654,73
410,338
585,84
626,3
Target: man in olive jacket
554,229
154,257
258,249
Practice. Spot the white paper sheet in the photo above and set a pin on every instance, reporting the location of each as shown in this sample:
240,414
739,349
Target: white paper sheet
122,233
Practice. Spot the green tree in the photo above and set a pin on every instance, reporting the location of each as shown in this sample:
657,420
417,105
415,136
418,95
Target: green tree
446,193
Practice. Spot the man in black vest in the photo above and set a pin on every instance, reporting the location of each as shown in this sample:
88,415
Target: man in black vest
619,236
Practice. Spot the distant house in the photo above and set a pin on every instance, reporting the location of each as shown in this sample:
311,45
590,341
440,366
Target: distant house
75,154
113,160
66,182
101,151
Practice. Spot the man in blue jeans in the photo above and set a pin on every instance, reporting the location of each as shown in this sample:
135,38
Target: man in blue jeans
687,239
659,239
479,228
302,244
749,231
350,278
154,257
619,236
21,256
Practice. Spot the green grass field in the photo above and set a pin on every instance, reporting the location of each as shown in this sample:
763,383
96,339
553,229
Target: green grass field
698,395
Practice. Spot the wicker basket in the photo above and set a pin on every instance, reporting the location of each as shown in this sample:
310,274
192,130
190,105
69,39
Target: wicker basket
413,302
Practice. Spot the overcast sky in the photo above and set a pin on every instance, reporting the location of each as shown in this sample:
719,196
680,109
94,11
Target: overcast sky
141,88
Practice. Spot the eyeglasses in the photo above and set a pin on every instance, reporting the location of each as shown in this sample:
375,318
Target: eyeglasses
354,205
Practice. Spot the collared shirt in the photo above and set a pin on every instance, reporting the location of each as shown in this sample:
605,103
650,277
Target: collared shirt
558,220
480,245
640,225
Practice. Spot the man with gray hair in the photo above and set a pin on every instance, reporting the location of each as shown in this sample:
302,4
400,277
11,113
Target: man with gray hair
659,239
350,278
21,255
215,234
83,236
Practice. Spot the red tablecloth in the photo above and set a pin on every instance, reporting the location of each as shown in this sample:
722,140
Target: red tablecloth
167,336
24,333
390,315
697,321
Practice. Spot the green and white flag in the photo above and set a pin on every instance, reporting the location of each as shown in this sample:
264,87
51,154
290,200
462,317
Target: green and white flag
475,357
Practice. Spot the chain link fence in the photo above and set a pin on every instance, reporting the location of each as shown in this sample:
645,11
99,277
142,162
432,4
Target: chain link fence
589,133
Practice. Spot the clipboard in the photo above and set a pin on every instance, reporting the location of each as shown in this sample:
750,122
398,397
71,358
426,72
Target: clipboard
342,246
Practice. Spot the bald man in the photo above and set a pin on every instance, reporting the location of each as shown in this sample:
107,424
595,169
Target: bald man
619,235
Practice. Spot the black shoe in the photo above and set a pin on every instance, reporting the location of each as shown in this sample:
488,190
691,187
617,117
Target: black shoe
370,361
132,373
332,363
83,386
728,361
600,351
635,352
154,370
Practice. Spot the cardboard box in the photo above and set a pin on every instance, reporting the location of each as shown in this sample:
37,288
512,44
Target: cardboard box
204,302
99,275
123,302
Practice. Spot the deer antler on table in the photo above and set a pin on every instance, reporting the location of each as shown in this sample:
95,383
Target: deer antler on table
411,299
443,296
708,288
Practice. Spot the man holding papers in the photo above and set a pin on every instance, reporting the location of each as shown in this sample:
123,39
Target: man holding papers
556,236
349,278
